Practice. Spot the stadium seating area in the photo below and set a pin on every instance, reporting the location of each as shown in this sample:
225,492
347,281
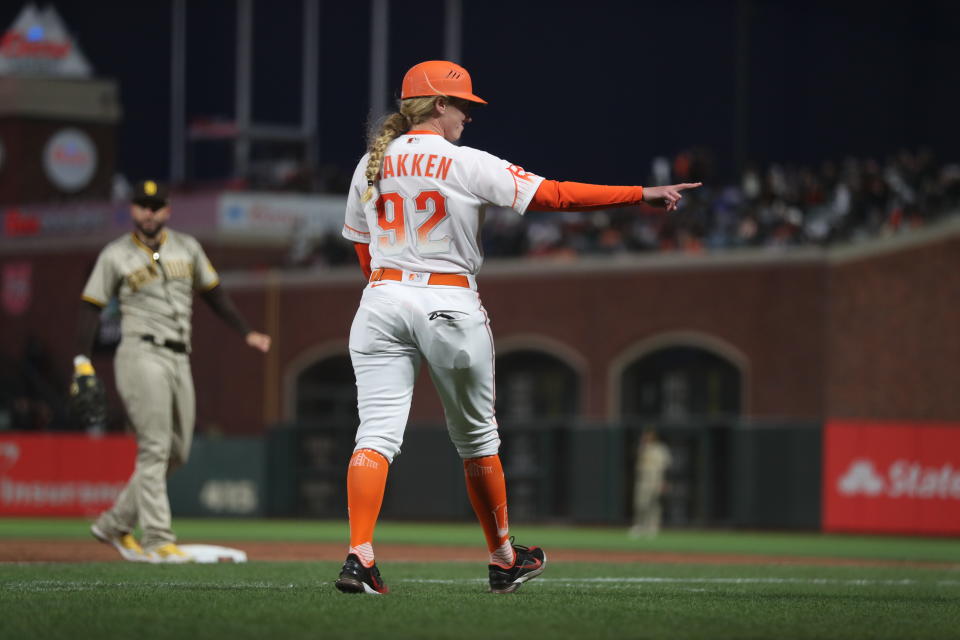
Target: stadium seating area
772,206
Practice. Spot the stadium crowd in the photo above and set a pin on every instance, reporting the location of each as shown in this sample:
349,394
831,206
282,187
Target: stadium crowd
774,206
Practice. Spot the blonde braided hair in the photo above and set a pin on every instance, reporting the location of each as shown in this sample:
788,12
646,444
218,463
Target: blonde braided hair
412,112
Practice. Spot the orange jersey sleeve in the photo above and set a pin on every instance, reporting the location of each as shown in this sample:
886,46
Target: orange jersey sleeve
577,196
363,255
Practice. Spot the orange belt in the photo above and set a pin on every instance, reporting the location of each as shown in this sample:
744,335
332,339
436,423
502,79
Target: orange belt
443,279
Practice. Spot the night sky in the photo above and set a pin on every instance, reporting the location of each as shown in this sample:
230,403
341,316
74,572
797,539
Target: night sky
587,91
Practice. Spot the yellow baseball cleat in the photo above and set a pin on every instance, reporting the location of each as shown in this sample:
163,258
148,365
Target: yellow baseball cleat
125,543
170,554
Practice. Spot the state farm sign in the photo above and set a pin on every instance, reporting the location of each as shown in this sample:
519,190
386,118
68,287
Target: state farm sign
903,479
891,477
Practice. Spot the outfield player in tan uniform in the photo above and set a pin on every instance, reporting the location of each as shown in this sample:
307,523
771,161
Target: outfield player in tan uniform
653,460
414,211
154,272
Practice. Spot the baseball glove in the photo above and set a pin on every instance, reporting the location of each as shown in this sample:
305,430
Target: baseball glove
88,401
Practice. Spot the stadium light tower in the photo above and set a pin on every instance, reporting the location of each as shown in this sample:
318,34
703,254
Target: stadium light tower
242,130
380,47
453,18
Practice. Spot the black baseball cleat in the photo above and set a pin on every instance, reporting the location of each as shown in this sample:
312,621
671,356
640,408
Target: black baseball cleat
356,578
528,563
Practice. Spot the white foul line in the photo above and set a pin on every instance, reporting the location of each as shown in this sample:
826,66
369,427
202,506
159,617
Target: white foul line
38,586
859,582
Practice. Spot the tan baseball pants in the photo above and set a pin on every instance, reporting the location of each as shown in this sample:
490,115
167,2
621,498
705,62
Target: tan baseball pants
156,387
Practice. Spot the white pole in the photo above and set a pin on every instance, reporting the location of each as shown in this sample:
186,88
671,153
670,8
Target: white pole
452,31
311,81
241,150
379,18
178,67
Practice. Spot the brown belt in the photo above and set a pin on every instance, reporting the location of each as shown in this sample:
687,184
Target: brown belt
443,279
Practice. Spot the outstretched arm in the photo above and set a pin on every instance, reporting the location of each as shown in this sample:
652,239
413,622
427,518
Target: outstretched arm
221,304
577,196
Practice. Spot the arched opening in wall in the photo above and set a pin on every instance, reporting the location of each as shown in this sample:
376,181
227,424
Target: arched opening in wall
537,397
680,383
326,394
690,397
534,386
323,406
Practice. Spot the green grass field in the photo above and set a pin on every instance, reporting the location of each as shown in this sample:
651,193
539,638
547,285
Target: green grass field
448,600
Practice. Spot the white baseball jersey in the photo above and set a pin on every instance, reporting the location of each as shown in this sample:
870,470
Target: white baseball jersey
429,204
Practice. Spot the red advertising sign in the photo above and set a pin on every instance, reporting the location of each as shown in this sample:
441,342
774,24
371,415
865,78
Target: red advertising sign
62,474
901,477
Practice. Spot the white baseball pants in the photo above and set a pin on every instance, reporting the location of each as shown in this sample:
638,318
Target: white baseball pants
395,326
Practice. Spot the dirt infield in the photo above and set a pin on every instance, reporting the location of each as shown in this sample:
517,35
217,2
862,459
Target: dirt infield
12,550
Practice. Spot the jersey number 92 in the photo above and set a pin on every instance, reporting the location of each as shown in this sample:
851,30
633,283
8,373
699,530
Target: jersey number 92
424,213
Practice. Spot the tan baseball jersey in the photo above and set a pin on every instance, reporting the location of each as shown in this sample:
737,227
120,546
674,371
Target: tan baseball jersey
432,223
652,464
155,288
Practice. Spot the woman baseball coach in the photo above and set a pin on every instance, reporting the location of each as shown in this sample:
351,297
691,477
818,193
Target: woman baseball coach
414,211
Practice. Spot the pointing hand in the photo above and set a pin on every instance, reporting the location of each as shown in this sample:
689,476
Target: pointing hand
667,196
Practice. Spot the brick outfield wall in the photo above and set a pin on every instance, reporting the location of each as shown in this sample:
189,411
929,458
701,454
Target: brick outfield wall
893,335
869,337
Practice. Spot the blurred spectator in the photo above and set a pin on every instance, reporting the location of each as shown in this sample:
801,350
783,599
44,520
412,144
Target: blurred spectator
660,171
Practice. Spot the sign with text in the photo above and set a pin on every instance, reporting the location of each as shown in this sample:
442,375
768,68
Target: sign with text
38,43
62,474
901,477
70,159
280,215
195,214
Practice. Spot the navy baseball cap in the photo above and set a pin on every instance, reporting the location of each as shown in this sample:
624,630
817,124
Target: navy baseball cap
151,194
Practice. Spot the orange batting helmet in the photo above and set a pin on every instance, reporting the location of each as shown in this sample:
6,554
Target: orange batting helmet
438,78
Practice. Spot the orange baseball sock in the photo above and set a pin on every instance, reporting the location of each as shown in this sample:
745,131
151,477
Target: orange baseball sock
366,483
487,488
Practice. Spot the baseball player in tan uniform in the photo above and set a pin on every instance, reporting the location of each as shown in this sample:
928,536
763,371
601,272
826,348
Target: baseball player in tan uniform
653,460
154,272
414,211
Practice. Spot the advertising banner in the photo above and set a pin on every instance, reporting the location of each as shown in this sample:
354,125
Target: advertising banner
280,215
62,474
38,43
225,477
195,213
887,477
